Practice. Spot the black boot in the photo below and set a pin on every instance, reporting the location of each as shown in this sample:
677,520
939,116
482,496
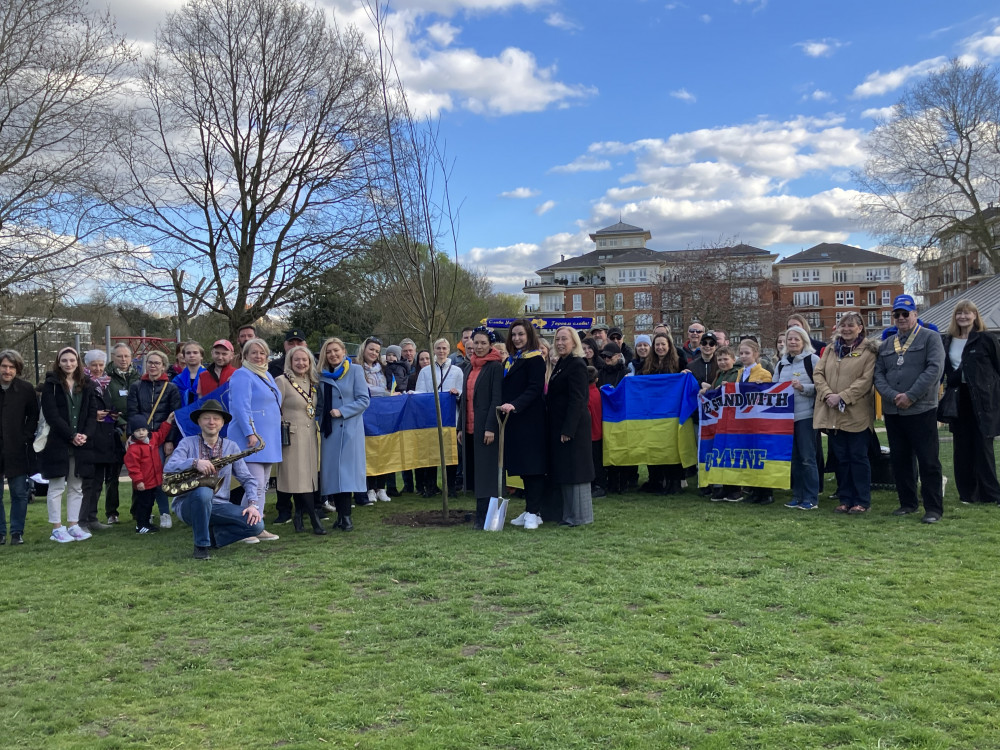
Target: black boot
297,518
309,503
482,505
343,505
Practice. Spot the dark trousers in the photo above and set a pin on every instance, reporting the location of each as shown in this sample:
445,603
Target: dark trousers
914,436
408,480
111,489
92,487
284,504
854,472
597,454
975,461
142,503
534,493
426,477
469,451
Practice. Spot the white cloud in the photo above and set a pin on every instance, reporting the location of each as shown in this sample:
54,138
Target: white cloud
559,21
442,34
878,83
583,164
759,4
510,265
820,47
705,18
982,46
520,193
878,113
544,208
684,95
818,95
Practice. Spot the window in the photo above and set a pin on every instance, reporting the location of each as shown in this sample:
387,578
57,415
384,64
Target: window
814,320
887,297
840,277
745,295
815,274
622,275
643,300
877,274
887,317
577,302
844,298
619,301
872,318
872,296
599,319
620,321
599,301
795,276
806,299
643,322
849,298
839,316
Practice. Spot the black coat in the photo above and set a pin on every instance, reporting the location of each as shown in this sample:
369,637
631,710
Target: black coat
142,396
524,436
486,397
570,462
53,461
612,374
18,422
107,447
981,366
704,372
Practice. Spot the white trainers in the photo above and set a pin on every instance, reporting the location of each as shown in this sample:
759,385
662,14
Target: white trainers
165,522
250,540
519,521
381,495
328,506
77,532
372,497
531,521
61,535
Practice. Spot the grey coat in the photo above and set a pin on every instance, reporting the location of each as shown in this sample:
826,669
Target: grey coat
918,377
342,452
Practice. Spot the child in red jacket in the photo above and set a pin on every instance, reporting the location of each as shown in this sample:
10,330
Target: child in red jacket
145,467
596,435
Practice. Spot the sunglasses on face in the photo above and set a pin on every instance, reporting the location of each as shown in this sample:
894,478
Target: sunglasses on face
695,330
373,340
615,338
709,343
900,313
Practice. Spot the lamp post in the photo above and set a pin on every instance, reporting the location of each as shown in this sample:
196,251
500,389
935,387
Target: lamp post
34,337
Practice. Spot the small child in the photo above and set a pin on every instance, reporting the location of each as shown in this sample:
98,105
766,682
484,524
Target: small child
145,467
596,435
396,372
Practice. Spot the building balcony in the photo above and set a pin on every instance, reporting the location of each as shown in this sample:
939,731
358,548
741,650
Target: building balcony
544,309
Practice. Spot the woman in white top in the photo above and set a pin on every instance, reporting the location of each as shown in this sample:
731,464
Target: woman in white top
450,378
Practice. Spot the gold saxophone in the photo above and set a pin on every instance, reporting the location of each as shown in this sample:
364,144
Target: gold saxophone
179,482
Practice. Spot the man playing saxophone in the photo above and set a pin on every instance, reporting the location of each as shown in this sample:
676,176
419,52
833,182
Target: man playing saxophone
206,509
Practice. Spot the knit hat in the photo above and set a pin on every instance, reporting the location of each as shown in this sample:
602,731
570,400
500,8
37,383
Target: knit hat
394,350
643,338
137,422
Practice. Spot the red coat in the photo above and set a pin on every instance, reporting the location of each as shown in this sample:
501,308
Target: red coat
206,381
143,459
596,412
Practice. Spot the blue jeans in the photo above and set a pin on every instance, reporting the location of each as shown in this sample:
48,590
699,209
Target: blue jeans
207,518
18,487
854,472
805,474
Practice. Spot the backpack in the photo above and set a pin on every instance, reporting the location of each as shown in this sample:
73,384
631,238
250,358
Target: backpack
808,362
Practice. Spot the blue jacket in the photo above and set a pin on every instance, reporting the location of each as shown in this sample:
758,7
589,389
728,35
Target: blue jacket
186,454
257,398
342,465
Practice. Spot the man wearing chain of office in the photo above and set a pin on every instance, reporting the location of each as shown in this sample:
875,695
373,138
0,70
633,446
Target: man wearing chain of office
206,509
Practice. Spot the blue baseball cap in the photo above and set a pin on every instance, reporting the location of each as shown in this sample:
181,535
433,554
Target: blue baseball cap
904,302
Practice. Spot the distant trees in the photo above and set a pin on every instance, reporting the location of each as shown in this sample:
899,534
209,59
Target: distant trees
933,168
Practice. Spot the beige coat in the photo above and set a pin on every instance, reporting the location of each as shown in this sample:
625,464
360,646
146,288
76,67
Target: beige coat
299,467
850,378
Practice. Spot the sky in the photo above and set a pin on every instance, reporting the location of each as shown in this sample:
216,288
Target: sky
701,121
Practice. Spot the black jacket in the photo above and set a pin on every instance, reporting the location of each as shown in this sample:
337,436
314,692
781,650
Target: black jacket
18,422
107,447
981,367
53,461
486,397
704,372
570,462
524,436
143,395
612,374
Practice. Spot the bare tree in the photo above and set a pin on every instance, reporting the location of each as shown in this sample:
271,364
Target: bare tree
933,169
416,222
245,167
60,71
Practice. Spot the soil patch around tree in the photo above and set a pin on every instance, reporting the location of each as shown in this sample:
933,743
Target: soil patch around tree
424,518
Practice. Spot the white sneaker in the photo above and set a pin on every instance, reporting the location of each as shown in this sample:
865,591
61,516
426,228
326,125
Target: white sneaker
61,535
250,540
77,532
381,495
329,507
519,521
531,521
165,522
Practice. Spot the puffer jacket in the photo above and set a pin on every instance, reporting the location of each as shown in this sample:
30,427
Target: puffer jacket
851,378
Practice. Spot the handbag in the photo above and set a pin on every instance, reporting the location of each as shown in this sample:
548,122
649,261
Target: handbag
286,434
41,433
947,410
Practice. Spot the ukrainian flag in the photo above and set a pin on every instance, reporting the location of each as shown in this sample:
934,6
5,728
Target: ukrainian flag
401,432
182,417
647,420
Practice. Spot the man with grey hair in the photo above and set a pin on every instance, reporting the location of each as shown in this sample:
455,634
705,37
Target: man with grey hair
18,421
121,375
408,351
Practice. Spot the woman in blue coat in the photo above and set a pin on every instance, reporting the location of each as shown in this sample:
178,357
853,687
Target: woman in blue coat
343,398
255,403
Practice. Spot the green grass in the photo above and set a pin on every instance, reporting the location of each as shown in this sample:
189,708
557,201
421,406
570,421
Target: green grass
671,622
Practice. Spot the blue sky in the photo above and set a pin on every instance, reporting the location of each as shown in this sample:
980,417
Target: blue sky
720,119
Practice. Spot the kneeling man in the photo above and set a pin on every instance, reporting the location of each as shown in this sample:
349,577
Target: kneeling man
207,510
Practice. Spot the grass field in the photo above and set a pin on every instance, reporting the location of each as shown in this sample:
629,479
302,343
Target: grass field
671,622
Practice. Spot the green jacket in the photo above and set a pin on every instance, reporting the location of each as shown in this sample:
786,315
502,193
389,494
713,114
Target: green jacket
118,388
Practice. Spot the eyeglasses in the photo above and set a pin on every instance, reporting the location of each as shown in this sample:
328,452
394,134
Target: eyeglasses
695,330
709,343
900,313
615,337
608,356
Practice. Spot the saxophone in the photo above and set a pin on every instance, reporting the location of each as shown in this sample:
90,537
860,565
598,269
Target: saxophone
179,482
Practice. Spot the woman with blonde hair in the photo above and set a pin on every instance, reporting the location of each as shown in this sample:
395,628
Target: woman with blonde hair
972,367
450,379
298,474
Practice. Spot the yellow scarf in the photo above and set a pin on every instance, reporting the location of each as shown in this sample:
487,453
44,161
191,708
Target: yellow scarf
260,370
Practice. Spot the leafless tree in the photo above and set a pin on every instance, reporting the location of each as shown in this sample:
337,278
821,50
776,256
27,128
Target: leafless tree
243,162
61,69
416,221
933,167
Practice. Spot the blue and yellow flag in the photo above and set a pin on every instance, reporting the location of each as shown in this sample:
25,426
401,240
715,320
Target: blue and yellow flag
182,417
401,432
647,420
746,437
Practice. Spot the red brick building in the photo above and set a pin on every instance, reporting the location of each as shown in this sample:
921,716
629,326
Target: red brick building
956,265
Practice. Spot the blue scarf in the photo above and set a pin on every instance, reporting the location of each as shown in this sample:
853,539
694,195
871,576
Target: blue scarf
520,355
188,386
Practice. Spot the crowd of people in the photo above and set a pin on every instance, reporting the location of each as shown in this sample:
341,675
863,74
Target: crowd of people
301,417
